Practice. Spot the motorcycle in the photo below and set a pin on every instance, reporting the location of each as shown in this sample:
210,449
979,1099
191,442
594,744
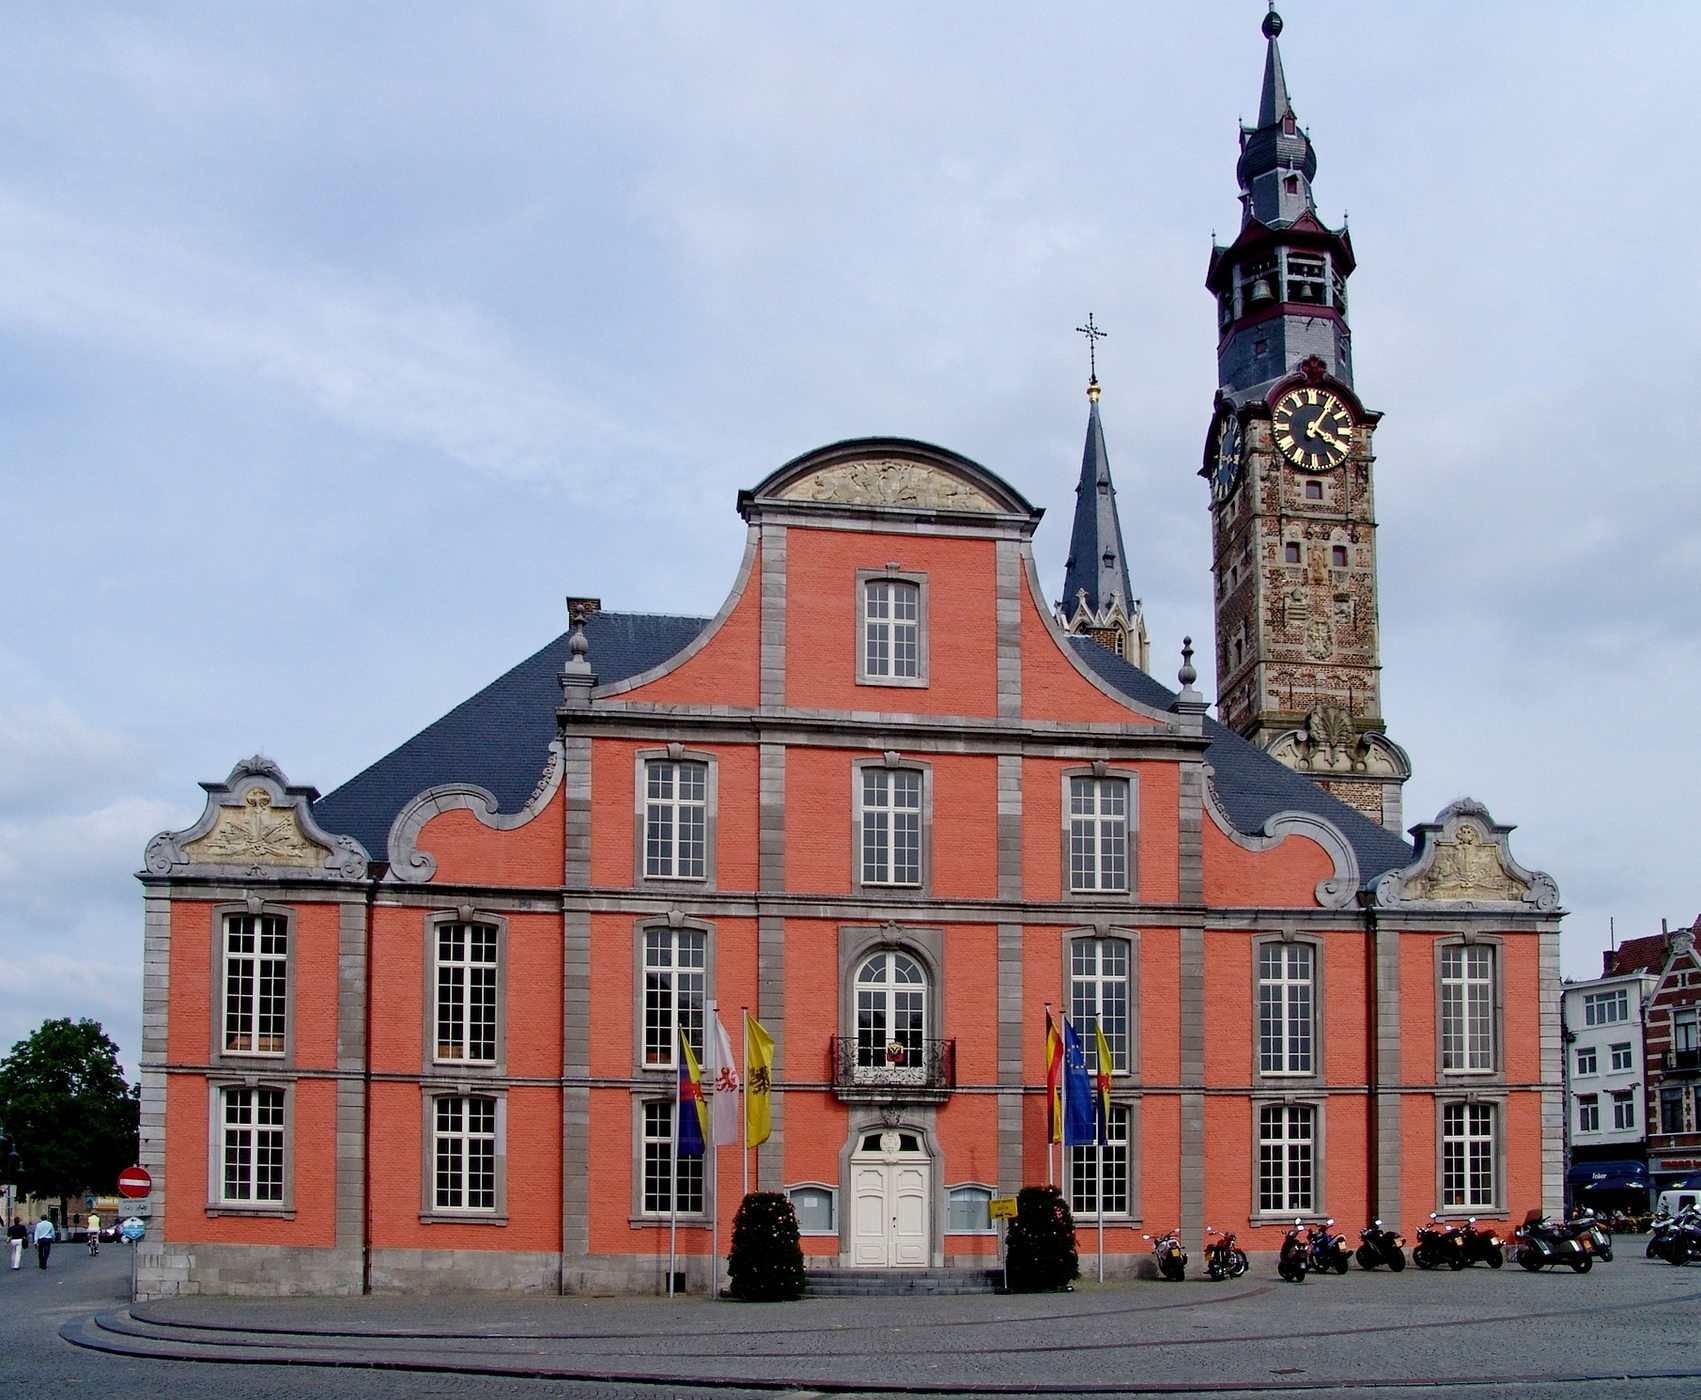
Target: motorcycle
1223,1259
1328,1251
1546,1244
1295,1259
1483,1245
1665,1231
1600,1239
1438,1243
1379,1246
1171,1257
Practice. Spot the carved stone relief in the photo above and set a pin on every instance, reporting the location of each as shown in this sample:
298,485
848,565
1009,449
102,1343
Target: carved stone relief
889,482
1464,857
256,833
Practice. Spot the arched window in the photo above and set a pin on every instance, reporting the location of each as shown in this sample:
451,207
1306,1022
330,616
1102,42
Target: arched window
891,1017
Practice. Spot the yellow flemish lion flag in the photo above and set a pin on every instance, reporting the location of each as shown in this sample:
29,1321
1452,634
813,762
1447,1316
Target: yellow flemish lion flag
758,1081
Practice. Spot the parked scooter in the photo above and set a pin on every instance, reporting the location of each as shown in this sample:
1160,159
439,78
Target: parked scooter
1379,1246
1545,1244
1328,1250
1295,1259
1438,1243
1171,1257
1223,1259
1600,1239
1480,1245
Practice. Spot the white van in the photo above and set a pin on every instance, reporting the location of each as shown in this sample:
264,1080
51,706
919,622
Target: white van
1671,1202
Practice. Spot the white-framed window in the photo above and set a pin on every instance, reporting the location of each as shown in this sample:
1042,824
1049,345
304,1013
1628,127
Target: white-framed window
1588,1113
1098,994
466,994
1605,1008
1622,1056
675,989
1287,1158
1467,1007
816,1207
256,983
1287,978
968,1210
890,822
1685,1036
1469,1149
1586,1061
659,1165
1671,1109
676,819
891,1018
893,648
251,1144
1100,827
464,1152
1623,1110
1084,1169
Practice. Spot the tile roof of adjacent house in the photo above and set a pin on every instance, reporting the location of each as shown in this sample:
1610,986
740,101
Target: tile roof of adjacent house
499,740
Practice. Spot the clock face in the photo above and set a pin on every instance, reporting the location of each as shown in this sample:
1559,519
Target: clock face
1225,459
1313,429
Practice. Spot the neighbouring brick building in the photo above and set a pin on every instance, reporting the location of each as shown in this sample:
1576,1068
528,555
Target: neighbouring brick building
421,1032
1667,970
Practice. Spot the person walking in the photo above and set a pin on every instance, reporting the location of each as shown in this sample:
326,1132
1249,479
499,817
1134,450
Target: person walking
43,1240
16,1234
94,1234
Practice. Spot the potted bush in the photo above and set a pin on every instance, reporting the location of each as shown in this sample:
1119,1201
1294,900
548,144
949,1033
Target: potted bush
766,1263
1039,1248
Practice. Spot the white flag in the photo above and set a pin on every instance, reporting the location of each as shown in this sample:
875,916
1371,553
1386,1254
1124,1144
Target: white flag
720,1080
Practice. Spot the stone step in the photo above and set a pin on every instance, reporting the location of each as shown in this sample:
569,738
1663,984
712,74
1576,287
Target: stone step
894,1283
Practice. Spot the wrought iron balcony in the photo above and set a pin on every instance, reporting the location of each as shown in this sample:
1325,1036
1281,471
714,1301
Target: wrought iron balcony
900,1069
1683,1061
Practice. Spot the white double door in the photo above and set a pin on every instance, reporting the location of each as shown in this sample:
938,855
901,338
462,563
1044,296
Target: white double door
891,1192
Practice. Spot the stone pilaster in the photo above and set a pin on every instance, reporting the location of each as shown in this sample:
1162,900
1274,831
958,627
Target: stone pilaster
1011,1010
1387,1073
1191,1027
773,664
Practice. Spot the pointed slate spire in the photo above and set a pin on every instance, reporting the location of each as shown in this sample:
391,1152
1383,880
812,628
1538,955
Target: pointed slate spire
1274,104
1097,567
1277,163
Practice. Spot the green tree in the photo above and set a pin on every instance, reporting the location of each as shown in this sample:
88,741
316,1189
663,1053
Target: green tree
69,1115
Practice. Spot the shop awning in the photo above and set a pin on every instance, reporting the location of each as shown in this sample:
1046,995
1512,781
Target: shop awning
1617,1183
1689,1181
1594,1175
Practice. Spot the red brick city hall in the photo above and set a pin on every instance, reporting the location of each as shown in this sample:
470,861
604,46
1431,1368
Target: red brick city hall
422,1032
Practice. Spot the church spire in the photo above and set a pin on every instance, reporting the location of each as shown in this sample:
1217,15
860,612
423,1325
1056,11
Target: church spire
1277,163
1097,598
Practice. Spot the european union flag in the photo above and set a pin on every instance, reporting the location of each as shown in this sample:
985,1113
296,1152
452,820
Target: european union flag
1078,1125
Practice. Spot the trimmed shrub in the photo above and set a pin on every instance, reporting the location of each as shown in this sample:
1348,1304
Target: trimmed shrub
766,1263
1039,1247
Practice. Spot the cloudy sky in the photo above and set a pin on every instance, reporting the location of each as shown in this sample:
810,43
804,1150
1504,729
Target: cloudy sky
339,343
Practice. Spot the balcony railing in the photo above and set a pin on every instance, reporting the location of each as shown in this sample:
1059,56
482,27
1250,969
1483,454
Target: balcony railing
1683,1061
899,1069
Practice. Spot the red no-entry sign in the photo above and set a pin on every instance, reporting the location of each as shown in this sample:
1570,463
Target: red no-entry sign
134,1182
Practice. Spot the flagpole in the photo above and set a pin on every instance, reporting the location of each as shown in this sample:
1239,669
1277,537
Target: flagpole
744,1106
1100,1197
673,1176
1063,1111
1050,1103
713,1150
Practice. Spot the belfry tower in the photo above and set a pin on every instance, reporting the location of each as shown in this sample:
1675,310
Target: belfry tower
1288,456
1097,600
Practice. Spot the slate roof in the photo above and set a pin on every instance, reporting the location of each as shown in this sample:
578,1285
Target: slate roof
1251,786
499,738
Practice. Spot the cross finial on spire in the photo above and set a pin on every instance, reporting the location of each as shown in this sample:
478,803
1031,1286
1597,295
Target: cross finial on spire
1094,335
